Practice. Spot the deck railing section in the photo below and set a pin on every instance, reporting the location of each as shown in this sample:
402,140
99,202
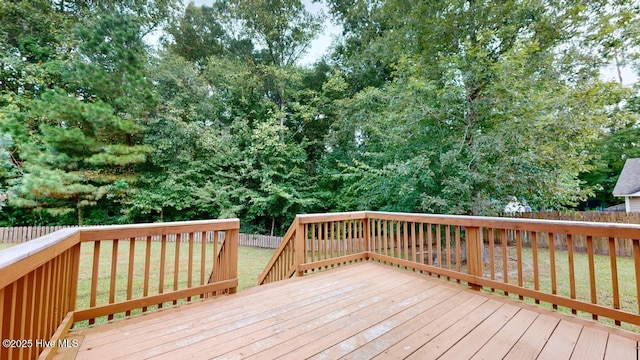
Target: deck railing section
283,262
44,282
37,293
487,253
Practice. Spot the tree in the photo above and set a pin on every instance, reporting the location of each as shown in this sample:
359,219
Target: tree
76,139
496,92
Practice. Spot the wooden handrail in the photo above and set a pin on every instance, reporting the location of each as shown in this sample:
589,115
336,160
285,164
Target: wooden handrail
39,279
467,249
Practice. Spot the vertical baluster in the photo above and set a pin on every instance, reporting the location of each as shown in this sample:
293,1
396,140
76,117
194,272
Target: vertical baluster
64,281
163,256
16,288
203,258
414,244
614,276
552,262
360,236
132,252
378,237
438,246
147,266
505,264
114,267
314,245
492,259
305,257
592,273
448,246
190,263
41,306
384,237
24,309
519,259
48,315
355,233
395,240
458,254
536,271
430,244
176,265
327,242
572,279
421,239
56,295
215,268
31,316
405,240
94,277
636,260
349,248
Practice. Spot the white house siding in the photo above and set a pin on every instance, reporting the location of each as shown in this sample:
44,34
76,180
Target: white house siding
634,204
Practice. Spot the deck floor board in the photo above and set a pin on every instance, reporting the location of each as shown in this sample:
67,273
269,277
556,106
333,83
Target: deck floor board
359,311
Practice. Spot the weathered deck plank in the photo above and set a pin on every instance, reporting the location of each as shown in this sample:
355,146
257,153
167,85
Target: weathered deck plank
358,311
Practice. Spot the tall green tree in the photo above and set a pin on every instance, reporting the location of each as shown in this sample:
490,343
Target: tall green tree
75,140
497,92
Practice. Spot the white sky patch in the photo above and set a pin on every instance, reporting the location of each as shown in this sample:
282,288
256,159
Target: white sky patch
610,73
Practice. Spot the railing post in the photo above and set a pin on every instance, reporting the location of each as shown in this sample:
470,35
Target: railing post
299,247
233,256
474,253
75,269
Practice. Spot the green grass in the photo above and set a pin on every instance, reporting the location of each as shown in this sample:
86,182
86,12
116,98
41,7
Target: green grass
6,245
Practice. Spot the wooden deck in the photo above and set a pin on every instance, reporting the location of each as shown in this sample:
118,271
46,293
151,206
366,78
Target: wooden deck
360,311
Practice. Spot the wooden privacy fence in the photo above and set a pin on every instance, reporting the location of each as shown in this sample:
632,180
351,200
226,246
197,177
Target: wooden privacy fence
20,234
624,247
591,216
476,251
90,273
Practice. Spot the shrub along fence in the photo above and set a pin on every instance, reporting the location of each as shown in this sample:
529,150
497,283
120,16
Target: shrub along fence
22,234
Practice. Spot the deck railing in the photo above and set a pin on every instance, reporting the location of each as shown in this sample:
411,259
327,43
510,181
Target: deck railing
72,275
482,252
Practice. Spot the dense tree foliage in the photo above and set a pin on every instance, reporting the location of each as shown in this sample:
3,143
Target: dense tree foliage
451,107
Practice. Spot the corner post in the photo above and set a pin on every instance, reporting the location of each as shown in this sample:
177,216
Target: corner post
474,254
233,256
299,246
